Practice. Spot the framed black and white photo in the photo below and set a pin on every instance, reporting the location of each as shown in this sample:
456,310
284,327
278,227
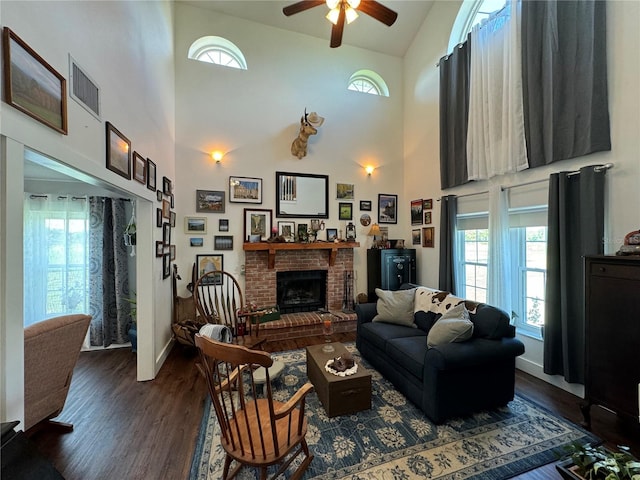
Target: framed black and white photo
172,219
223,242
32,86
159,217
159,248
209,201
387,208
287,230
172,252
427,218
159,195
245,190
257,222
195,225
139,168
365,205
151,175
166,266
166,234
223,225
118,152
210,263
166,186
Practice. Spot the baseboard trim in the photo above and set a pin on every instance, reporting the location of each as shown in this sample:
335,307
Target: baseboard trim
537,371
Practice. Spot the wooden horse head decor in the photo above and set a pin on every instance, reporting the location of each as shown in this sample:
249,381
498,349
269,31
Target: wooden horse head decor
308,124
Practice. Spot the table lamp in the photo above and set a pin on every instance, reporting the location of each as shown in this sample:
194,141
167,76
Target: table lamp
374,232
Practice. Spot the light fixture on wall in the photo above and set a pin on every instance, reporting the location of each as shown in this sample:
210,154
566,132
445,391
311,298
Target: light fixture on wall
369,169
217,156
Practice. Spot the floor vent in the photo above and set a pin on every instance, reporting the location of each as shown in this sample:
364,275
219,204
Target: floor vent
83,89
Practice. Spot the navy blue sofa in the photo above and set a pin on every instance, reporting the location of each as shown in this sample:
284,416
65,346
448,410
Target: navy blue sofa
450,380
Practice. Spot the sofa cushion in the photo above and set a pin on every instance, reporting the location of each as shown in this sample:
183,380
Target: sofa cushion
379,333
453,326
408,352
395,307
424,320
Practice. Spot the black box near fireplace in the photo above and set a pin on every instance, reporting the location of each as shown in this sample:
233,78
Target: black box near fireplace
301,290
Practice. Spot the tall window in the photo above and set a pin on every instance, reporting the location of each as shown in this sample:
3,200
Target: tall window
55,257
472,255
217,50
368,81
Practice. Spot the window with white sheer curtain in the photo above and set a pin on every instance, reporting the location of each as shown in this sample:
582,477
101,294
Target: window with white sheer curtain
55,256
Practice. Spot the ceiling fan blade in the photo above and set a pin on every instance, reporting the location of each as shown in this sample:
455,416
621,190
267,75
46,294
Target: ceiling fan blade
301,6
378,11
337,29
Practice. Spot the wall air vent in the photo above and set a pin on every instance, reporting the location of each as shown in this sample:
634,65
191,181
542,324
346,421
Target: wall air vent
83,89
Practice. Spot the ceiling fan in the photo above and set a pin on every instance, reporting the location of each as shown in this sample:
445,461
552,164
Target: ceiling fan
341,10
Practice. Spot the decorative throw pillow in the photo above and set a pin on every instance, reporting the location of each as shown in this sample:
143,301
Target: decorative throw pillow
395,307
453,326
428,300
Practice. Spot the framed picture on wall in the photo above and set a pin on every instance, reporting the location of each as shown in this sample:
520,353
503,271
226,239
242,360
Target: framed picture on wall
332,234
245,190
196,242
416,212
139,168
118,152
210,201
159,248
195,225
151,175
166,234
345,210
387,208
210,263
223,225
287,230
159,217
166,266
365,205
345,191
257,221
223,242
32,85
427,218
427,237
415,236
427,204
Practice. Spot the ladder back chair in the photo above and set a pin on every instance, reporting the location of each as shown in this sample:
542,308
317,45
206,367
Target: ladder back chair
219,299
257,432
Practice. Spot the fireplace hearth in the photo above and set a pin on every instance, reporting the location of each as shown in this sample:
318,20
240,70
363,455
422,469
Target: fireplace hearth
301,290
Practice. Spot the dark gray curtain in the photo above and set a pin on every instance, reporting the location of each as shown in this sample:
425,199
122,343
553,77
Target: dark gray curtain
454,113
448,212
564,70
575,229
108,272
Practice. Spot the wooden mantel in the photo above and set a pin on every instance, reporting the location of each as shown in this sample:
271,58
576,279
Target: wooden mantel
272,248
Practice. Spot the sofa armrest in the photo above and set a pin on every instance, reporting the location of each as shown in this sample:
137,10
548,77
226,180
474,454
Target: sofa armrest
472,353
366,312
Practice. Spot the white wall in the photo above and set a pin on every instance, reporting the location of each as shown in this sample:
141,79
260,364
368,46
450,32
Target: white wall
421,138
254,116
127,48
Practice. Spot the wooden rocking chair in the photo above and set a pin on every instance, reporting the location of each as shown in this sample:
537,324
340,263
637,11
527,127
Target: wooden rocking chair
258,432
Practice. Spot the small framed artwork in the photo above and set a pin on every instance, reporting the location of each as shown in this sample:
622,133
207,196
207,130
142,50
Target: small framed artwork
172,252
427,204
223,242
387,208
223,225
195,225
210,201
415,236
32,86
151,175
287,230
210,263
118,152
172,198
345,191
166,266
427,218
427,237
257,222
166,186
332,234
159,217
416,212
166,234
159,248
302,232
139,168
345,211
245,190
159,195
172,219
166,209
196,242
365,205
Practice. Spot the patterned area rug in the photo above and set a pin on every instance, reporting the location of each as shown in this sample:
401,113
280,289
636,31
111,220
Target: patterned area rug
395,440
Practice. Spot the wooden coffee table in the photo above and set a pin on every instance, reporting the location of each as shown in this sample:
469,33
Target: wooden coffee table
338,395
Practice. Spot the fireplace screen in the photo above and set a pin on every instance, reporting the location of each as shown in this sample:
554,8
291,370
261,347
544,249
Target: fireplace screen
301,291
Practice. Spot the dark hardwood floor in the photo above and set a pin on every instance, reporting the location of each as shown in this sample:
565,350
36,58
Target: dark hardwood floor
147,430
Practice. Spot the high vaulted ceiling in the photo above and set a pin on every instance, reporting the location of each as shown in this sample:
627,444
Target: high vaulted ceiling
364,32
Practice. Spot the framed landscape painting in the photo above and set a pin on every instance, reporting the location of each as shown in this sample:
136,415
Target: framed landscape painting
195,225
118,152
139,168
245,190
210,201
32,86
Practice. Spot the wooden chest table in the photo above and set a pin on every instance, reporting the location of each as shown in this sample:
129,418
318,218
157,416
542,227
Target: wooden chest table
339,395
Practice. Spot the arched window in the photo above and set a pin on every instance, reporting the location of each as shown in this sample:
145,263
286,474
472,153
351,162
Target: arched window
471,12
217,50
367,81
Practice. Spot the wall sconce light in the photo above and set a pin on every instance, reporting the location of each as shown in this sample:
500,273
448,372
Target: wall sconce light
217,156
369,169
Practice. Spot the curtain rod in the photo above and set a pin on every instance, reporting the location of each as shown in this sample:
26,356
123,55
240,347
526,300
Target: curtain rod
466,195
597,168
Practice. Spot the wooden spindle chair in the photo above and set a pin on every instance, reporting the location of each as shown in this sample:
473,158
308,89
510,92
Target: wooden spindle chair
219,299
257,432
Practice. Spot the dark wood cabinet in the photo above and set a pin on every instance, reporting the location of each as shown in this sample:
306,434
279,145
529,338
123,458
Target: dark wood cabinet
389,268
612,339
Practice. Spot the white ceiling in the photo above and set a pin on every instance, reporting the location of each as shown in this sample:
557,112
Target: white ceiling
364,32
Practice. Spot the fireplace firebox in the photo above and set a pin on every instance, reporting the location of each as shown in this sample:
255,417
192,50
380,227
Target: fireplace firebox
301,290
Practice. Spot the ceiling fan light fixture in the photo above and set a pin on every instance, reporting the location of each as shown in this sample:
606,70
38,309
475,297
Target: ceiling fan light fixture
354,3
351,14
333,14
332,4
